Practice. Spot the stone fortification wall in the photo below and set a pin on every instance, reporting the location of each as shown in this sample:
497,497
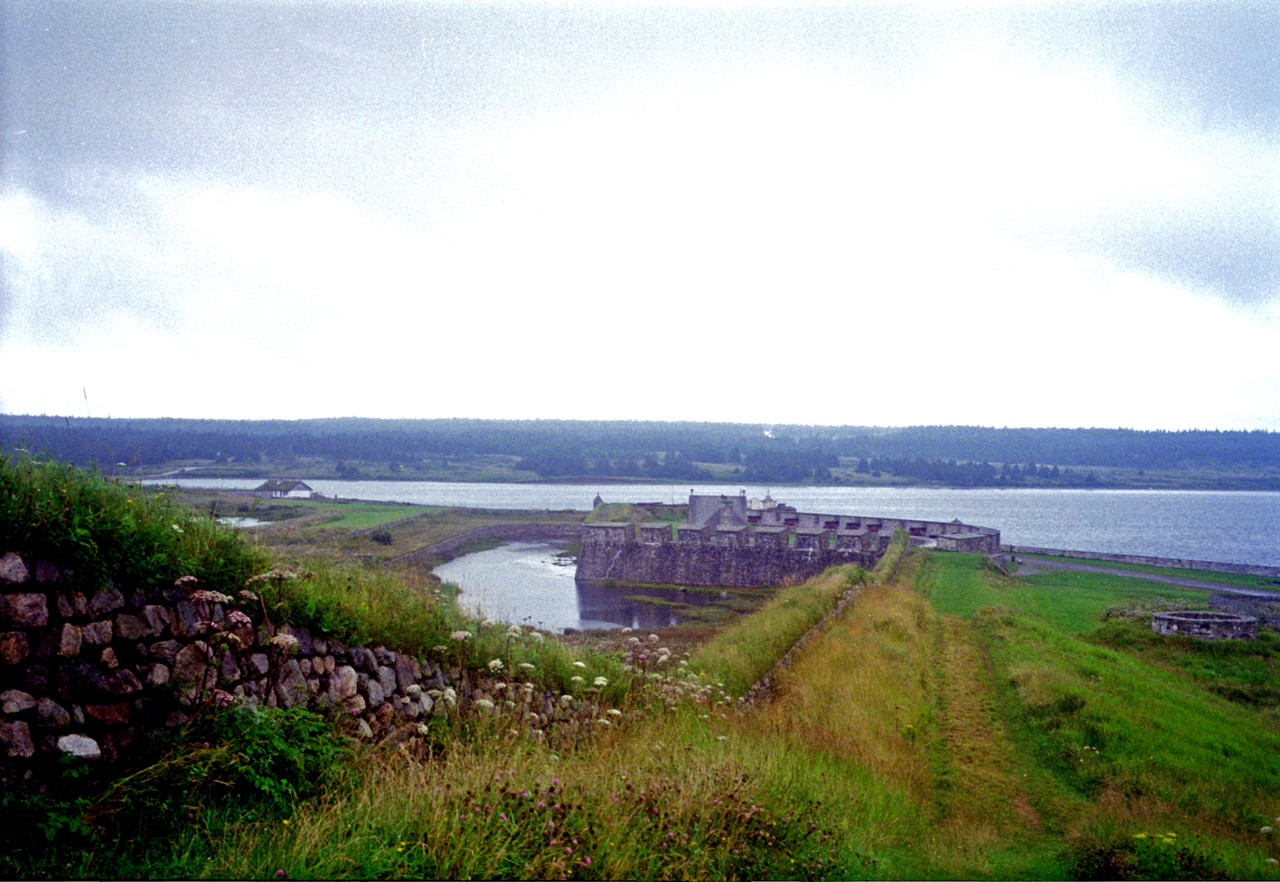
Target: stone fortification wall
720,511
1205,625
494,531
87,672
726,558
949,535
1145,560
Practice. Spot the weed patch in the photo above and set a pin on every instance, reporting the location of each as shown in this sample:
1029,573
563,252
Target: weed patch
1142,856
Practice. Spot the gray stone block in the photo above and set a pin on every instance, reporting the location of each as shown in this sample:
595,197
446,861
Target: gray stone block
408,670
122,682
342,683
158,675
13,647
52,714
105,600
69,641
97,633
131,627
157,619
14,701
27,610
387,679
16,737
12,570
165,650
291,691
80,745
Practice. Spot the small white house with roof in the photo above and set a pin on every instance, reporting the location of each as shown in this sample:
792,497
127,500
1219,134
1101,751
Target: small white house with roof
283,489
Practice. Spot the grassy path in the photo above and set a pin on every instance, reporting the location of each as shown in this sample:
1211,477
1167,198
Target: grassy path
903,696
981,793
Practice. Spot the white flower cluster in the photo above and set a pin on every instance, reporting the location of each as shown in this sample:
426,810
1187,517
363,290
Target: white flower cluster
447,697
277,576
284,640
210,597
649,660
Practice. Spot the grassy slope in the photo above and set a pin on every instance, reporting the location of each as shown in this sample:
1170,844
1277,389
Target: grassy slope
996,731
918,737
1115,743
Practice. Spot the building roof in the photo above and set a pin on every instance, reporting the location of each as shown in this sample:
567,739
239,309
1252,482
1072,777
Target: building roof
276,485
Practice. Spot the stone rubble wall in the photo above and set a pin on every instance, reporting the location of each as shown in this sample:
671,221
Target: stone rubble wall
87,672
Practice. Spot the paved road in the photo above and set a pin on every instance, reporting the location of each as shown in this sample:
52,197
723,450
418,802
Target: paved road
1032,566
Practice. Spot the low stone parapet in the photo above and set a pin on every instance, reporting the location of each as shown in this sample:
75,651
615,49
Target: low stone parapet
88,671
1205,625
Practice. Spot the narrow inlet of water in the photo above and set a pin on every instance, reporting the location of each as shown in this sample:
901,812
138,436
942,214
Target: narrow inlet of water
532,583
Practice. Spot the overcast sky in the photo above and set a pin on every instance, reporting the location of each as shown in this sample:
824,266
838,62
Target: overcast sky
847,213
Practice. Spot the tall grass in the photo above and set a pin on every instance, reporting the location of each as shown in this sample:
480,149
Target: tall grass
891,688
747,650
671,798
110,532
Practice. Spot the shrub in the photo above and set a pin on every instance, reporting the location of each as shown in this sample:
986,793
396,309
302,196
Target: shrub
252,759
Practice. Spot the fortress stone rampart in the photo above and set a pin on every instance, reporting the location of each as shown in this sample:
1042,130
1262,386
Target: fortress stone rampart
702,556
729,541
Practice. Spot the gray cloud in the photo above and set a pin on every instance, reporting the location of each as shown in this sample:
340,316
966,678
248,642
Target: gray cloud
1238,258
84,269
364,99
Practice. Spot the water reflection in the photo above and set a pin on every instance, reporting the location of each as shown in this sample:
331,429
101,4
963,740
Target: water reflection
241,522
532,583
620,608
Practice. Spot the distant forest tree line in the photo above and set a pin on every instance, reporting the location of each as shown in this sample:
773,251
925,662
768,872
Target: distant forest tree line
963,456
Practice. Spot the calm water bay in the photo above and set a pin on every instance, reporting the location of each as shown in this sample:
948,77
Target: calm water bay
1238,527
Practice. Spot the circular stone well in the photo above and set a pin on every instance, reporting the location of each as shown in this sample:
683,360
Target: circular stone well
1205,625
